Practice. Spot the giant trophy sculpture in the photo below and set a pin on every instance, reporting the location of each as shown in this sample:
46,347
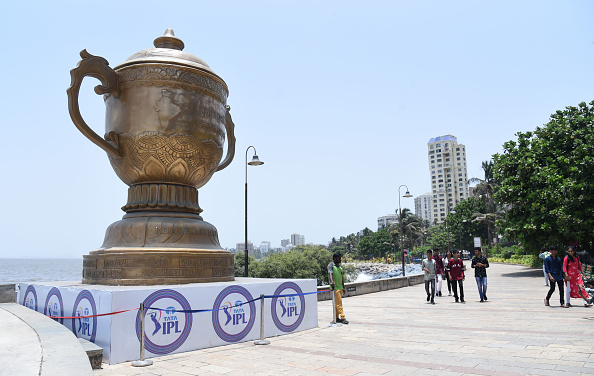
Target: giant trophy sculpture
165,129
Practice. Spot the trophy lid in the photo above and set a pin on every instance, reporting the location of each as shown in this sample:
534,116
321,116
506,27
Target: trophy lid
168,49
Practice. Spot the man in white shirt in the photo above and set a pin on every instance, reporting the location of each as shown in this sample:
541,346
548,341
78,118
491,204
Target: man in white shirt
428,266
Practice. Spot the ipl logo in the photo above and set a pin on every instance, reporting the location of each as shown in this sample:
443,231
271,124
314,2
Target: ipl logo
166,329
234,313
84,327
30,299
287,311
54,305
233,321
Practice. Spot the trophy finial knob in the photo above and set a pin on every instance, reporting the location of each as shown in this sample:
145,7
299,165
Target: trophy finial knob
169,40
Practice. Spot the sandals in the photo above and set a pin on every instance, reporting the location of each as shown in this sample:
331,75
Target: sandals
546,302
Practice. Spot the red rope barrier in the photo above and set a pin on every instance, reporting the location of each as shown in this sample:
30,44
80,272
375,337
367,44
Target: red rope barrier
85,317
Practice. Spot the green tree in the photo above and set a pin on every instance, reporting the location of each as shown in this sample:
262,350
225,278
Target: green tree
239,264
348,245
462,224
304,261
485,189
546,179
374,243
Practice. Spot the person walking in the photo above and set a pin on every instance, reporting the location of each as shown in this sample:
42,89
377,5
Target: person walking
456,271
543,255
428,266
439,270
574,284
446,273
480,265
554,268
336,284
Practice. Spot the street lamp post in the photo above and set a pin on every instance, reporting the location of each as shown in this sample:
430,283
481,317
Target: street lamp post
407,194
254,162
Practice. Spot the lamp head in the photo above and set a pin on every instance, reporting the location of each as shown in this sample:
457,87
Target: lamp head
255,161
407,194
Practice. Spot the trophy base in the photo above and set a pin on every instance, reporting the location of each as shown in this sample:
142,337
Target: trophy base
139,267
159,248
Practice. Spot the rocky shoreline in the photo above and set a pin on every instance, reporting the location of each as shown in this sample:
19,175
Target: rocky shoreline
380,271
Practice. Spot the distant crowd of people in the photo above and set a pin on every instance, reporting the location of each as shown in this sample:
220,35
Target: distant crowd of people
568,275
452,269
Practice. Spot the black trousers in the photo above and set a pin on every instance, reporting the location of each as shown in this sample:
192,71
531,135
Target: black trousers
561,291
431,283
455,285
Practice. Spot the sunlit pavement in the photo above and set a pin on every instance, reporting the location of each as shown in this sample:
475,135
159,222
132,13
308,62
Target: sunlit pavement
397,332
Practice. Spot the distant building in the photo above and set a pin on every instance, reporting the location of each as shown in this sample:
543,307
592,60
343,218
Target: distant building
285,242
265,247
386,220
449,180
424,207
241,247
297,239
288,247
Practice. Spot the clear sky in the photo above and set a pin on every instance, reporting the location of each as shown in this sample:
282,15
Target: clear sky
339,98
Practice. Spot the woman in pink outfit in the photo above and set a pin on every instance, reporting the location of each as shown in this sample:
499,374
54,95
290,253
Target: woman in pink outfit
572,271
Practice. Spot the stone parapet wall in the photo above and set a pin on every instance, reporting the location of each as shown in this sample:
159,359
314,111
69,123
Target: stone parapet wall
7,293
368,287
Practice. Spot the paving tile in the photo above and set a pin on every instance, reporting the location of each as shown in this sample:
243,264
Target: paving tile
513,334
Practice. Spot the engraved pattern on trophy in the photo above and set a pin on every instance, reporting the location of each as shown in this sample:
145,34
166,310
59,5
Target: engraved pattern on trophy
183,112
177,77
154,157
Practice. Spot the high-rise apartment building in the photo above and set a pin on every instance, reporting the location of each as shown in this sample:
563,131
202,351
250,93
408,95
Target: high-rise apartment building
241,247
297,239
285,242
449,180
424,207
386,220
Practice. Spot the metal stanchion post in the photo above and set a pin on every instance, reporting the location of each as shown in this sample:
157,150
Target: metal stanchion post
333,322
262,341
142,362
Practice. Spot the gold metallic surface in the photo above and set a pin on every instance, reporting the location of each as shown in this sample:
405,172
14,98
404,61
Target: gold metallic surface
166,122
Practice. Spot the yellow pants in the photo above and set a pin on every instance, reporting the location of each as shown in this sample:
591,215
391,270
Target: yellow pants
338,302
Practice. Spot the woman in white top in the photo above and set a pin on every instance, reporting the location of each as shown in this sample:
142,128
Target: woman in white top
446,260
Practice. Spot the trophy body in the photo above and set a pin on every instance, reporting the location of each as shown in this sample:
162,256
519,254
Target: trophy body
166,123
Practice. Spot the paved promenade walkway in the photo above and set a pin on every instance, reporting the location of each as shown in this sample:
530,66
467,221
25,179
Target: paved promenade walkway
397,333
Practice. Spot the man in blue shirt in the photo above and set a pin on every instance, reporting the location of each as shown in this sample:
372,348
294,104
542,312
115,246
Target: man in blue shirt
554,269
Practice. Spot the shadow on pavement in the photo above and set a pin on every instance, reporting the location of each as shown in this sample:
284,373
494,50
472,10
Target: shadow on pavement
525,273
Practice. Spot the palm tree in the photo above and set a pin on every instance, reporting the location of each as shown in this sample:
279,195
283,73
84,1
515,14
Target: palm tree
484,189
412,225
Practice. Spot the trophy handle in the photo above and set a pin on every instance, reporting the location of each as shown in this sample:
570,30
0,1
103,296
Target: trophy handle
230,127
97,67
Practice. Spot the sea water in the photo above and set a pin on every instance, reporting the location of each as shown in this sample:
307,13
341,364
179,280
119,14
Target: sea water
13,270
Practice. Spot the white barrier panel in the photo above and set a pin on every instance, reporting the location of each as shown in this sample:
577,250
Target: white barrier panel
228,319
